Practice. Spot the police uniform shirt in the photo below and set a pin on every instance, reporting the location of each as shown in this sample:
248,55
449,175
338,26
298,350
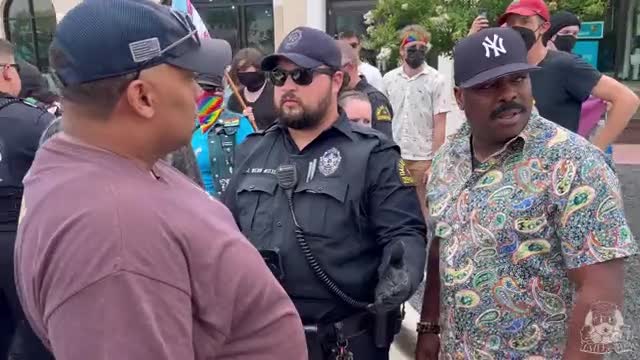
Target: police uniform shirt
353,197
21,125
381,111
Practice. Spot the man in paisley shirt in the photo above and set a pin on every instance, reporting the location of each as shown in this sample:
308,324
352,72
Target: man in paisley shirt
531,233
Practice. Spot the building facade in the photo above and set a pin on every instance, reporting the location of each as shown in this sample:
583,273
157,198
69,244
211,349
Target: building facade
30,24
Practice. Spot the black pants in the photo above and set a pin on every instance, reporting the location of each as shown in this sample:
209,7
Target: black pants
17,339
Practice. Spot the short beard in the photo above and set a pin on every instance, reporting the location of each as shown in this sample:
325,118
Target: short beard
306,118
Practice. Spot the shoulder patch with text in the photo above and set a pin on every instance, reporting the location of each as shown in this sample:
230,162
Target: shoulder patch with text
405,175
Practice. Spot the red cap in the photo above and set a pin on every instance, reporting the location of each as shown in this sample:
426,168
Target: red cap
526,8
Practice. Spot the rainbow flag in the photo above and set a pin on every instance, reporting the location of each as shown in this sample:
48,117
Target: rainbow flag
186,6
209,110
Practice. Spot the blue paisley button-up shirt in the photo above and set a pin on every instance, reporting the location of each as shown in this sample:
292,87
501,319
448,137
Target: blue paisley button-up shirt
510,229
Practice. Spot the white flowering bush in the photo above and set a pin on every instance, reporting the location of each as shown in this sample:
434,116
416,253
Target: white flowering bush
447,20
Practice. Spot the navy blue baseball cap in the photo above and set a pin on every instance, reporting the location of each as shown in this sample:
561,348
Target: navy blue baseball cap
308,48
488,55
100,39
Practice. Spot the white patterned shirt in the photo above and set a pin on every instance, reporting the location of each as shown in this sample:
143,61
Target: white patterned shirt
415,101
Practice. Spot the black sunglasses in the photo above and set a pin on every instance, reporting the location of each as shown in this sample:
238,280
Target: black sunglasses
299,76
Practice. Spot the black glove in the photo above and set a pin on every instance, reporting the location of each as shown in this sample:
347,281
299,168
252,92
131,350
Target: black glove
394,287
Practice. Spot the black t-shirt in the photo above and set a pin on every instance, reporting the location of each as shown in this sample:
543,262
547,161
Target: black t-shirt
263,108
560,87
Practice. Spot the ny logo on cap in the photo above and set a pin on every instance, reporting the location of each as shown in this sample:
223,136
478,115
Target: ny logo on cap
497,45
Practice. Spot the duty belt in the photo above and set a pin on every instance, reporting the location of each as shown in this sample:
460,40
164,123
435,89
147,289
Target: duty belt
334,338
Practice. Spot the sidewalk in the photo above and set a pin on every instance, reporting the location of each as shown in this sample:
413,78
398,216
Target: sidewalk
624,154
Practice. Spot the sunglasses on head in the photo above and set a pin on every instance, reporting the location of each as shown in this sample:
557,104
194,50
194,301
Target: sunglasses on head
300,76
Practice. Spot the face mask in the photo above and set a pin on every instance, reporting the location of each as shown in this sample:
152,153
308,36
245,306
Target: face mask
565,42
528,35
415,58
253,81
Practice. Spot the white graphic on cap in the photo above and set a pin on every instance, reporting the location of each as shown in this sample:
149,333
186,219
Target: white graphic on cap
292,39
497,45
144,50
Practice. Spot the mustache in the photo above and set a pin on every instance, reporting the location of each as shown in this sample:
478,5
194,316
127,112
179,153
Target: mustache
289,96
511,105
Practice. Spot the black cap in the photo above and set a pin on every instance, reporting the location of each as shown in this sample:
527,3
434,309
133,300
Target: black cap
106,38
488,55
560,20
308,48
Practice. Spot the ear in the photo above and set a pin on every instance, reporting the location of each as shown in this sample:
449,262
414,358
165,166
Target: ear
338,80
459,98
141,98
545,27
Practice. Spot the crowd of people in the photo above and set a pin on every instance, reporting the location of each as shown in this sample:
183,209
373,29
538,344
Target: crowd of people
178,202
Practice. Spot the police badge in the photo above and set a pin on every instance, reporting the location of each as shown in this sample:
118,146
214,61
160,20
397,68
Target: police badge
329,162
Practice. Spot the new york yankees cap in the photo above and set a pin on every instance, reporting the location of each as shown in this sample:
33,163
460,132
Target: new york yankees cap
308,48
488,55
100,39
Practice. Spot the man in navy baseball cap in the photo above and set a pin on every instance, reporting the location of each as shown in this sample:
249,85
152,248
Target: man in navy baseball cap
132,59
108,264
491,75
307,78
511,163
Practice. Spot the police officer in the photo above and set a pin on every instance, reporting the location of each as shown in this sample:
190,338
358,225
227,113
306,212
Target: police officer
330,206
21,124
217,134
381,111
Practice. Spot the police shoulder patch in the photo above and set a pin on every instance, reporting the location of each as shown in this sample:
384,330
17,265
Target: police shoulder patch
405,175
383,113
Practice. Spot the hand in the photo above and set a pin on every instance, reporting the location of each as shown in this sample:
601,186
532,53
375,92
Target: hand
425,177
479,23
394,285
248,112
428,347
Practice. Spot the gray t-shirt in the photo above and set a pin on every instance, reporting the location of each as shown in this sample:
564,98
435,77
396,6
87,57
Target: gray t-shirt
114,263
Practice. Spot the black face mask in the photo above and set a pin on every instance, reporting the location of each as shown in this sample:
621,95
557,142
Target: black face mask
253,81
415,58
528,35
565,42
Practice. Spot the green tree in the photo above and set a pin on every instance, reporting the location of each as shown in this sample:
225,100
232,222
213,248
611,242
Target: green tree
448,20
